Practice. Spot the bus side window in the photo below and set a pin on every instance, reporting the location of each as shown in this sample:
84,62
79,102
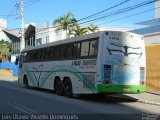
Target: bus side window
68,51
46,53
25,57
56,52
51,49
39,53
28,56
76,49
43,54
93,50
84,49
62,51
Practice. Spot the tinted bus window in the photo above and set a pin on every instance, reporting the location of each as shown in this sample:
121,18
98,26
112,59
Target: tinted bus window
84,48
68,50
93,48
56,52
62,51
76,49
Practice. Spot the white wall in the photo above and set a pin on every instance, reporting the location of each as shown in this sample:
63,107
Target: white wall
3,23
42,33
152,38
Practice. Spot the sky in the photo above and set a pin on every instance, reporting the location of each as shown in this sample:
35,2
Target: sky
41,11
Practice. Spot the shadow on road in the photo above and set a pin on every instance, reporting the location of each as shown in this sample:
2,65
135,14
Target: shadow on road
108,98
97,98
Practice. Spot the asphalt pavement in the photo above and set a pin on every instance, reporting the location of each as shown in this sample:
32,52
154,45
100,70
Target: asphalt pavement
149,97
16,100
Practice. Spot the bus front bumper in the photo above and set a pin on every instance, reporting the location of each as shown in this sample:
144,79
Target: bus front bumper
103,88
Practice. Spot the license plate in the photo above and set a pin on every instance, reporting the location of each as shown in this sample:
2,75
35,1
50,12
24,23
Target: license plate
126,89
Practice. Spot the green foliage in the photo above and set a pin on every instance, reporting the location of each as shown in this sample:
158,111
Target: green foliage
93,28
5,49
65,22
69,23
78,31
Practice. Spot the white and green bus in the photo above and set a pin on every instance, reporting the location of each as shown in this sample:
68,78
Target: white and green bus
101,62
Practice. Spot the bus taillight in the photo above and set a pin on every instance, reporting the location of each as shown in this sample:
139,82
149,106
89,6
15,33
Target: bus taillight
142,68
142,82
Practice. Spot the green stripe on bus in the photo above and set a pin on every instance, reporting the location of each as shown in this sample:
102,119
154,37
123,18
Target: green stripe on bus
44,79
103,88
30,77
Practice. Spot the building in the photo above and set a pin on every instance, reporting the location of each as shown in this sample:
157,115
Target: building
152,31
3,24
45,33
14,36
30,36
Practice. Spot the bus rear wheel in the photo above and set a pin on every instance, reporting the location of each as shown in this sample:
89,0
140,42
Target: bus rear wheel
68,88
58,86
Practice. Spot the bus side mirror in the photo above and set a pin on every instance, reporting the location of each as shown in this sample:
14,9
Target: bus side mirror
17,61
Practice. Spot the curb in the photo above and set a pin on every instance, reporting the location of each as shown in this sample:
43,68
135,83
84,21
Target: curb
149,102
153,93
140,101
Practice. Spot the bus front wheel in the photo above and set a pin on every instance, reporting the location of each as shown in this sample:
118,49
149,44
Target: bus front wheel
68,88
25,81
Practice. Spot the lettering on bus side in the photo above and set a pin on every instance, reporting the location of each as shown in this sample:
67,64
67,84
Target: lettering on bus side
76,63
83,62
89,62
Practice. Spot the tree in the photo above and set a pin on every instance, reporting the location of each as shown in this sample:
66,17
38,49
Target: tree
65,22
5,49
78,31
69,24
93,28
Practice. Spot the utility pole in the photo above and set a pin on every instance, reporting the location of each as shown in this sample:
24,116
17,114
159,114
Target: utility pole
22,42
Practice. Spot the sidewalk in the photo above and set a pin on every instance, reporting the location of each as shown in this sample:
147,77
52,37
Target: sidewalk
8,78
147,97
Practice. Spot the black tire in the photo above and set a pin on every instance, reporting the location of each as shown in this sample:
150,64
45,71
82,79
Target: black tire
68,88
58,86
25,81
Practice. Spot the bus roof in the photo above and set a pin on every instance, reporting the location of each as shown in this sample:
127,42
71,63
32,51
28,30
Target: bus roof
72,39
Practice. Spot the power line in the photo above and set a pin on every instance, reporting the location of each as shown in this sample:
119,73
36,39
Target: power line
129,16
104,10
31,2
121,11
116,13
10,14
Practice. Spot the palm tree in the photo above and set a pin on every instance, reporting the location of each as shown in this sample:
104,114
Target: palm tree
65,22
93,28
78,31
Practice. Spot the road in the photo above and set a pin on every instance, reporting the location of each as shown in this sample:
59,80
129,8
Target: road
15,99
